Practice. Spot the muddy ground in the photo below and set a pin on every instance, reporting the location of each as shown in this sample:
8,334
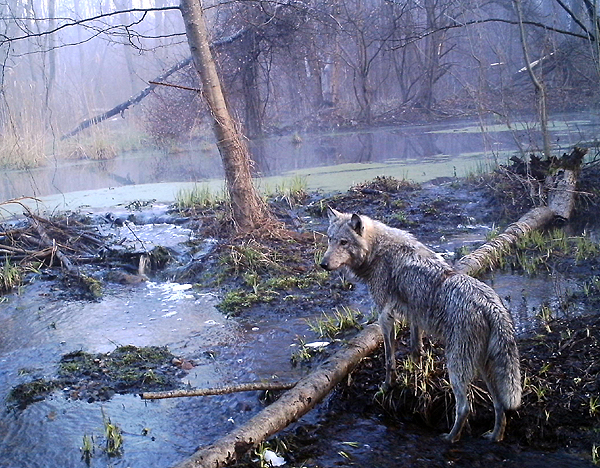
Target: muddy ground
558,422
268,275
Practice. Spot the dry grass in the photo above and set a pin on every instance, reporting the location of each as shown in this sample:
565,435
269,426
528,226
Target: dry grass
21,148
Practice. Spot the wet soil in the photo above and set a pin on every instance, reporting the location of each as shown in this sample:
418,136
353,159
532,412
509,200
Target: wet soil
559,420
277,276
97,377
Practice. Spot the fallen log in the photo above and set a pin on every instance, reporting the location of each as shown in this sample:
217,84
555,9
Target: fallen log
314,388
561,191
290,406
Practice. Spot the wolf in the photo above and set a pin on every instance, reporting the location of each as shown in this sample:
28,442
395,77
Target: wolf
409,281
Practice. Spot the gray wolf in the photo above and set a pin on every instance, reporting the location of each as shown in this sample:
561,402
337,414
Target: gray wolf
409,281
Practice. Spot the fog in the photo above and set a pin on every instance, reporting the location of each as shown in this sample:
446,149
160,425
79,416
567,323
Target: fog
288,68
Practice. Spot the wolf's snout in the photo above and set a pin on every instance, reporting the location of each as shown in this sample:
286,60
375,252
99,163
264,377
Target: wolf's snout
324,265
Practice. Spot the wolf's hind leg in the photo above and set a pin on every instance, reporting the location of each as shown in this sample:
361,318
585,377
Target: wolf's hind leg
499,425
497,433
460,377
386,323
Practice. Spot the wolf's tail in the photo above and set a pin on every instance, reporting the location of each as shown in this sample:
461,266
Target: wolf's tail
504,370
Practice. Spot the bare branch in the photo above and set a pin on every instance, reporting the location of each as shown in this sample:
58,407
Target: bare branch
411,40
226,389
81,22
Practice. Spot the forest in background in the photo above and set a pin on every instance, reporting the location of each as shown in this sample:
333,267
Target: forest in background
290,66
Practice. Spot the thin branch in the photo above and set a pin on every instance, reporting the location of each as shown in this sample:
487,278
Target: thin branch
244,387
574,18
73,22
170,85
411,40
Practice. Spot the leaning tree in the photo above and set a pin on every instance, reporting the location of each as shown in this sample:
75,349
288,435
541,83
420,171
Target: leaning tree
248,209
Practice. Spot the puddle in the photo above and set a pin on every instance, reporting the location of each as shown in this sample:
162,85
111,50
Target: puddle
523,295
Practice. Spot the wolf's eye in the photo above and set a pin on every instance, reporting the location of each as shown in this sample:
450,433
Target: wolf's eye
343,242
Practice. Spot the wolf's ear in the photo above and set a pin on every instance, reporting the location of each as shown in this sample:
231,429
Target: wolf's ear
356,224
332,214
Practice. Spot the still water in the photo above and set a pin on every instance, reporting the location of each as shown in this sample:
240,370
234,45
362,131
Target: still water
328,161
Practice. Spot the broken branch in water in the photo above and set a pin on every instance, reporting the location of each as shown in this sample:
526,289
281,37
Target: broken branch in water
244,387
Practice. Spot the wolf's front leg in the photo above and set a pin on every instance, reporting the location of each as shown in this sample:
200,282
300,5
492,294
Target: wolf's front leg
386,322
416,341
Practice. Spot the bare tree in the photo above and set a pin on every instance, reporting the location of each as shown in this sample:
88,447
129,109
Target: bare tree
249,211
539,85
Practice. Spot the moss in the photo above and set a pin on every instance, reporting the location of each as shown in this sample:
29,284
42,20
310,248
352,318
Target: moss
93,286
26,393
256,290
238,299
127,369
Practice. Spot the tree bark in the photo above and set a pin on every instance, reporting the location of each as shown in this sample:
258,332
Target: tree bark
248,209
313,388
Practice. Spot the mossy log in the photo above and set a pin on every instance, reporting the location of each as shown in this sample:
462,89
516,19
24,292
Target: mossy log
560,188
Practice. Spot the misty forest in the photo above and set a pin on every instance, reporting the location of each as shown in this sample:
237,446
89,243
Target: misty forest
285,67
166,172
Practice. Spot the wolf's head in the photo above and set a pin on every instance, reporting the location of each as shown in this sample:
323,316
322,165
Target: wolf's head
348,240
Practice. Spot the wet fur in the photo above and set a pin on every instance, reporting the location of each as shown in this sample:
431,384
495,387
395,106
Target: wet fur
409,281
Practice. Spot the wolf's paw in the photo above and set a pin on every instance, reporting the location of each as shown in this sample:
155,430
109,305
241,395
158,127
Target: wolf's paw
492,437
450,438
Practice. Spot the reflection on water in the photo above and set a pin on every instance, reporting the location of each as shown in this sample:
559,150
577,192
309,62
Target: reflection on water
525,296
453,148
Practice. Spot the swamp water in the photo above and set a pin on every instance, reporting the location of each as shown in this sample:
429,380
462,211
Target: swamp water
38,325
328,161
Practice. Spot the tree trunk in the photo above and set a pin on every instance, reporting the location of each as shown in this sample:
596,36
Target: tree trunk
250,87
249,211
313,388
51,76
540,87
